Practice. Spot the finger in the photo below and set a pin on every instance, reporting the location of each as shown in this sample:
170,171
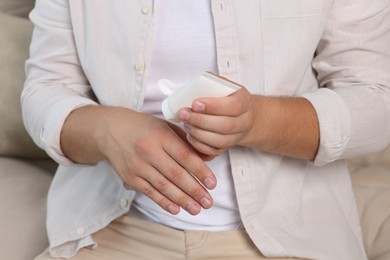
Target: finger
153,184
215,140
150,191
233,105
176,194
192,163
177,162
182,134
187,191
204,148
143,170
212,123
140,184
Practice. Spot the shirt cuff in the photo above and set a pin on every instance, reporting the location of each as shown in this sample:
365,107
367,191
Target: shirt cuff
334,124
69,249
50,134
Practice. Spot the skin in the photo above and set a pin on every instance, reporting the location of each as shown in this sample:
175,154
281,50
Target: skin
167,164
280,125
149,154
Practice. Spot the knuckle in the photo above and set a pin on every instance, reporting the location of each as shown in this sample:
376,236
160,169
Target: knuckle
143,147
184,154
148,191
198,121
131,180
227,127
175,174
162,185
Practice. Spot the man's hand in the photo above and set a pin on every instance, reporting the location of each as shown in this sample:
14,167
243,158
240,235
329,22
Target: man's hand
281,125
148,153
216,124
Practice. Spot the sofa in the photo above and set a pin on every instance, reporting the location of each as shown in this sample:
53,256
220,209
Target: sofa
26,171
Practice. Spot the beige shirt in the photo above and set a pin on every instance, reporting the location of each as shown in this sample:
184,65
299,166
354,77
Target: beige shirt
90,51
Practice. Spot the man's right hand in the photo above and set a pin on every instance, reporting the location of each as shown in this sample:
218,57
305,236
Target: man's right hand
148,153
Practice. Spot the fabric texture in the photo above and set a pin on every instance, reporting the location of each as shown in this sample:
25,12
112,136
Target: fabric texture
299,224
17,7
130,238
23,186
23,192
14,44
23,182
372,190
177,23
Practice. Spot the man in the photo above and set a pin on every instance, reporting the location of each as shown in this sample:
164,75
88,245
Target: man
262,169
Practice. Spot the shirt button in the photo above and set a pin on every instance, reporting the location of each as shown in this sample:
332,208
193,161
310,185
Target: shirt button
124,203
241,174
42,133
146,10
139,66
80,231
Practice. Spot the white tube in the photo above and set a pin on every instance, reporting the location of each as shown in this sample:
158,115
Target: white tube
205,85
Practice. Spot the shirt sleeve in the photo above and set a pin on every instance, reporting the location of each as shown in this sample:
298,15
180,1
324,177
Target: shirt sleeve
353,65
56,84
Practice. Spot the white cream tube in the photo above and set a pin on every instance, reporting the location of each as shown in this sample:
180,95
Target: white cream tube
205,85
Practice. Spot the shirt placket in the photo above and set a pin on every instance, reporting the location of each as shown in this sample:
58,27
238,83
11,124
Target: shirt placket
226,39
144,46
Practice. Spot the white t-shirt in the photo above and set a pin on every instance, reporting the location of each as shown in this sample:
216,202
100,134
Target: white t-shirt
184,47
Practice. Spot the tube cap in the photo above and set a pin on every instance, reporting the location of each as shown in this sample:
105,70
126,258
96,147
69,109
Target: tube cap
167,111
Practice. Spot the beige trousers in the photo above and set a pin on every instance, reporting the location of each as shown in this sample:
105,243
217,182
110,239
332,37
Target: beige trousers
132,238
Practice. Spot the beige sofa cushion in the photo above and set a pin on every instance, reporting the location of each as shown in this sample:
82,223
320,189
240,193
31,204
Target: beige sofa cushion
381,158
15,34
16,7
23,188
372,190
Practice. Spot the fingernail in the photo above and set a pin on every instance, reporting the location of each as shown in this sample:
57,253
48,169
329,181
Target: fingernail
209,183
206,203
173,209
183,115
198,106
193,209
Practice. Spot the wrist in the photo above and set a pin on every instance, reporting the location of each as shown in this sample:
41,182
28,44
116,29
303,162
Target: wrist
284,125
261,120
107,121
79,135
